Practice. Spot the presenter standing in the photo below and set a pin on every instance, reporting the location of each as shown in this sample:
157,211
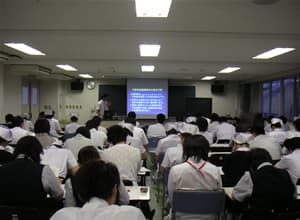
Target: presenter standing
103,106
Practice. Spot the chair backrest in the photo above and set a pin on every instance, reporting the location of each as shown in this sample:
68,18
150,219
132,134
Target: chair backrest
198,202
217,159
153,141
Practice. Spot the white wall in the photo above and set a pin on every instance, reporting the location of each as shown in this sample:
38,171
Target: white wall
1,92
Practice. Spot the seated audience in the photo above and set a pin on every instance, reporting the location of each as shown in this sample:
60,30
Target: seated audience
189,127
291,162
97,185
238,162
284,120
214,122
277,132
268,189
266,142
174,155
137,132
296,131
158,129
225,130
86,154
98,138
99,120
203,125
25,182
126,158
195,172
72,127
6,151
172,140
60,160
28,125
9,118
80,140
18,131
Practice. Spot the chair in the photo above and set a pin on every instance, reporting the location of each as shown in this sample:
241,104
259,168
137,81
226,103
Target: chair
217,159
152,142
198,202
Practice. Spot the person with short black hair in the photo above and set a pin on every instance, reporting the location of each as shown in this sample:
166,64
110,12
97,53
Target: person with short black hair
85,155
224,130
18,131
172,140
266,142
24,181
72,127
196,172
127,158
96,183
103,105
98,137
158,129
81,139
28,125
291,162
202,124
9,120
212,127
268,189
137,132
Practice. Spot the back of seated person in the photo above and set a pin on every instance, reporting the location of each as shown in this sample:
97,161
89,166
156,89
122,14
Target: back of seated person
158,129
172,140
225,130
96,183
202,124
73,126
238,162
267,188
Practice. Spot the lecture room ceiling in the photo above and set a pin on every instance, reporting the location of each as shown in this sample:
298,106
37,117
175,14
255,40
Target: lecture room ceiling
198,38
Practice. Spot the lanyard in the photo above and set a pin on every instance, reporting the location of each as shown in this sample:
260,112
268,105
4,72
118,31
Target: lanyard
197,169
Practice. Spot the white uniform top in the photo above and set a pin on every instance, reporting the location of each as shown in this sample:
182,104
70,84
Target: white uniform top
98,137
126,158
56,124
279,135
207,135
171,140
103,129
292,134
28,125
59,160
225,131
156,130
7,148
139,133
173,156
135,142
98,209
53,131
291,163
77,142
18,133
212,127
268,143
189,128
185,176
102,107
71,128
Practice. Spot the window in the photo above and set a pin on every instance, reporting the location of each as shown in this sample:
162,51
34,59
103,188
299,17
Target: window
266,99
25,95
34,96
275,101
289,98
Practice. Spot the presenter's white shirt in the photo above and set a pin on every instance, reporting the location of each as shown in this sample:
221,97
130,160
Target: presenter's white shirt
126,158
59,160
98,209
17,134
173,156
268,143
71,128
156,130
225,131
291,163
171,140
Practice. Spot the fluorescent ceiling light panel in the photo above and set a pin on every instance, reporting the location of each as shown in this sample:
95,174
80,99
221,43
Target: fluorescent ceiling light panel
149,50
152,8
208,78
66,67
229,69
86,76
25,49
148,68
273,53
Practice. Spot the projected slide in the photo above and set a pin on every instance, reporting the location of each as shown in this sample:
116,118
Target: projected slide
147,97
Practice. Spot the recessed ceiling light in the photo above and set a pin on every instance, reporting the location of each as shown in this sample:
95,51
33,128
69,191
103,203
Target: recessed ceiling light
25,49
66,67
87,76
229,69
149,50
148,68
273,53
152,8
208,78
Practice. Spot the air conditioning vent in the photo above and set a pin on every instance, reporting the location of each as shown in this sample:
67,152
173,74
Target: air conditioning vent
29,70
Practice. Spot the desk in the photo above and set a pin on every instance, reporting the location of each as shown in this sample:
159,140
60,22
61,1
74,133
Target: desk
143,173
219,145
135,193
213,153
